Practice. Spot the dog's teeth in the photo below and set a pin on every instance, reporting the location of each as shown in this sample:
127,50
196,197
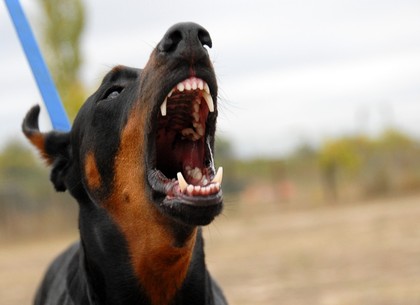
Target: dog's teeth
219,176
180,87
196,107
170,93
163,107
194,85
200,84
187,86
209,101
182,183
200,130
187,131
203,190
206,88
196,173
190,189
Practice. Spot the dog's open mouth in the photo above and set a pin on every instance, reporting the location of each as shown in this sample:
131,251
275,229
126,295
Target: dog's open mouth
183,163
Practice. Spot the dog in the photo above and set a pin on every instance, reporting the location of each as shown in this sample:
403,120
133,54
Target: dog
139,162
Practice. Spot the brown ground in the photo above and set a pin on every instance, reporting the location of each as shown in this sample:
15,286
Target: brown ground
360,254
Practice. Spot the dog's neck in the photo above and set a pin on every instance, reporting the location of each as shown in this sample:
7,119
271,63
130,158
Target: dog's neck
157,270
133,253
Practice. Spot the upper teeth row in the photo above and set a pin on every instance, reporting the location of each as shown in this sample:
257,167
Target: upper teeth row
193,83
189,84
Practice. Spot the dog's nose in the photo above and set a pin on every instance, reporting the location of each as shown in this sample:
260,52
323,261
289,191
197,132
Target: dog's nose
186,39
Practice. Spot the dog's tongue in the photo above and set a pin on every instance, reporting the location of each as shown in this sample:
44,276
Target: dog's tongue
190,154
180,155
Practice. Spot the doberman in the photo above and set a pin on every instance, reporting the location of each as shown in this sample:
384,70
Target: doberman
139,161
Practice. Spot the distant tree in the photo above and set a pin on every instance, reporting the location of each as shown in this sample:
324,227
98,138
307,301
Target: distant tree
223,149
19,176
16,156
63,22
392,139
304,151
344,154
225,157
393,165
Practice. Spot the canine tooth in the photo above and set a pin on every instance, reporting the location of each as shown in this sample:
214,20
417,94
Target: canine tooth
219,176
163,107
206,88
209,101
170,93
182,183
180,87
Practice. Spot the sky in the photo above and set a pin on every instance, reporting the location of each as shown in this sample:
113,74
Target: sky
289,72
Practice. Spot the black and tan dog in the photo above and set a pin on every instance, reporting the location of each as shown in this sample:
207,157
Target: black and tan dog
139,161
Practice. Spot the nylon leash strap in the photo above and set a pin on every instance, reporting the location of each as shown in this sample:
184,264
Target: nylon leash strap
39,69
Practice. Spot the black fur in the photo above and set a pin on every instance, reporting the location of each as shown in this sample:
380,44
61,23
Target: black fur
97,269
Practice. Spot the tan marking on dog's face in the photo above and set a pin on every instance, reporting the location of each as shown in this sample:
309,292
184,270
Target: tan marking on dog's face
93,178
160,266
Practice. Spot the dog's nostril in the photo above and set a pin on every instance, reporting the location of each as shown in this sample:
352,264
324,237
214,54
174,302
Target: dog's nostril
171,41
204,38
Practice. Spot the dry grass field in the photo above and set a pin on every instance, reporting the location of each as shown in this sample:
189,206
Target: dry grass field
366,253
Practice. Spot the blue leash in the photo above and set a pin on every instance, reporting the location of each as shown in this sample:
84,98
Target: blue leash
39,69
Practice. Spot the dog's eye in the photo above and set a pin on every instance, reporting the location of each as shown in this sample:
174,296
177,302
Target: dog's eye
112,93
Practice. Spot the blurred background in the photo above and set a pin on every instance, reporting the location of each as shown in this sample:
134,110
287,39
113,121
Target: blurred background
318,134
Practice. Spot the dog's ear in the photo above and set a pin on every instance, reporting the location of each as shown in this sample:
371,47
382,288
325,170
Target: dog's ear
53,146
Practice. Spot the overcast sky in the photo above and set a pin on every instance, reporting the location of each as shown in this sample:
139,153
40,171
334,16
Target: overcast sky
289,71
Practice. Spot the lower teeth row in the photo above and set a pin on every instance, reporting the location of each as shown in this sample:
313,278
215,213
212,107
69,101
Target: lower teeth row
194,190
190,189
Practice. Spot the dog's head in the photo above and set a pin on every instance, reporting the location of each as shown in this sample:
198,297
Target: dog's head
143,142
